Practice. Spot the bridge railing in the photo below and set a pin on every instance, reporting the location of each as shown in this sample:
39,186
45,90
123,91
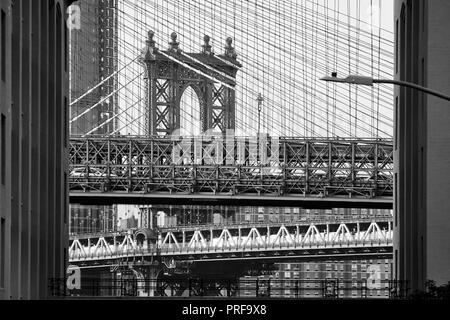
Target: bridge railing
281,220
264,246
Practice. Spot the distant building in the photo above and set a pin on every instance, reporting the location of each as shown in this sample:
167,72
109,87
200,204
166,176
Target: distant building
354,279
93,58
34,99
347,279
246,215
92,219
128,223
422,143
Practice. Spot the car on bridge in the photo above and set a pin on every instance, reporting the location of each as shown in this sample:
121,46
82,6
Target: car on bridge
85,172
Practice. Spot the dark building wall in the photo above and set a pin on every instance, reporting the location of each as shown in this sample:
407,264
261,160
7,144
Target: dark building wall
422,143
34,102
5,145
93,58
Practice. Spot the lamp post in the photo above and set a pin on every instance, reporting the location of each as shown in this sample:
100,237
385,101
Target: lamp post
414,268
260,100
368,81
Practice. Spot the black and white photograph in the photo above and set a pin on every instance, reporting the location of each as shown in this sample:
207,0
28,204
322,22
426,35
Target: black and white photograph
219,158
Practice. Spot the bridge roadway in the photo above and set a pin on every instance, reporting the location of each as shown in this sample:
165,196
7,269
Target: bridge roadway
223,170
318,240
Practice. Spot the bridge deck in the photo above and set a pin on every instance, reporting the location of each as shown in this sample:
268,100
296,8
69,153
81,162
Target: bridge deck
357,238
105,198
232,170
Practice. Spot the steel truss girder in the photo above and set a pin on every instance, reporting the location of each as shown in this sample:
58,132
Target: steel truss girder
241,242
326,168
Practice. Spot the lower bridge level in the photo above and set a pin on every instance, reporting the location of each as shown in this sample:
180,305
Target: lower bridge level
265,241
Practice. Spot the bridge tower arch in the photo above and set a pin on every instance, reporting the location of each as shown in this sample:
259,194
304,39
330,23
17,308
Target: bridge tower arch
213,78
191,104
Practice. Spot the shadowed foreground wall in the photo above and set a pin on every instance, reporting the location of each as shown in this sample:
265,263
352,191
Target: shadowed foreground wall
33,141
422,143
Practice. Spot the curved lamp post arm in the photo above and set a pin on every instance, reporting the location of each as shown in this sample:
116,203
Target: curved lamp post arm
368,81
413,86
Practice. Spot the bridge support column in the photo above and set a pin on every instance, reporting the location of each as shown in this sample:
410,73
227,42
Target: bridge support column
149,283
239,237
358,229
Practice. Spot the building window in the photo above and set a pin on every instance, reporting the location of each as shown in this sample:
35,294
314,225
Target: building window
3,45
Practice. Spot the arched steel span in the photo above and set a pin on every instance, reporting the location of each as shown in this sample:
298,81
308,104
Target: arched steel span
265,241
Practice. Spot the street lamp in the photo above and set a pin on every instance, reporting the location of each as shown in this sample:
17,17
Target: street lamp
260,100
368,81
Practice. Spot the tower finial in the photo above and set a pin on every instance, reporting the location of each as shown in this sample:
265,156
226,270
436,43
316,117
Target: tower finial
174,44
230,52
150,42
151,48
207,47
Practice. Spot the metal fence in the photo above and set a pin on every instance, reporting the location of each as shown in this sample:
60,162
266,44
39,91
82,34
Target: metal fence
233,288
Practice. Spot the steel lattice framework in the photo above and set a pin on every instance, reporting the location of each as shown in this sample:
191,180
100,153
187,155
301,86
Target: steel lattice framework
263,241
170,72
212,166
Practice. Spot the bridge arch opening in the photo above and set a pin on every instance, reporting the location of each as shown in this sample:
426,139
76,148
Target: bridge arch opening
141,239
190,113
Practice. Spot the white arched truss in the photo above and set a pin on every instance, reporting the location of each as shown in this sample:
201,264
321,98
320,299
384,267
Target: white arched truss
226,239
237,240
253,239
102,247
374,233
342,234
313,236
170,241
76,249
197,240
283,237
